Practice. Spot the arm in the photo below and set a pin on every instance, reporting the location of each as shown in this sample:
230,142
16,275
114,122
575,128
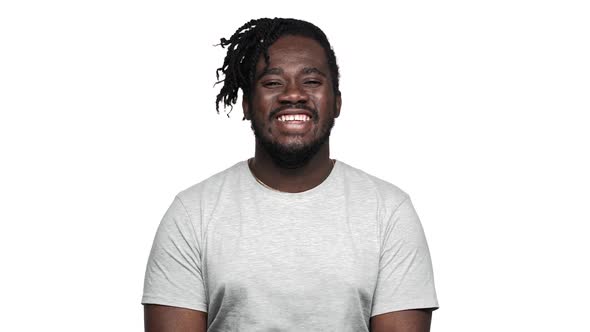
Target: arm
175,295
405,295
402,321
161,318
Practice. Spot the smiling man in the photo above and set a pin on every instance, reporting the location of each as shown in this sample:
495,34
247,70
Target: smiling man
289,240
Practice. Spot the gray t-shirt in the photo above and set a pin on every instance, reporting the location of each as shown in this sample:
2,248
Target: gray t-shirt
326,259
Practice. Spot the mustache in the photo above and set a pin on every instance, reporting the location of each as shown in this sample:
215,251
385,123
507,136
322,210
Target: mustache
291,106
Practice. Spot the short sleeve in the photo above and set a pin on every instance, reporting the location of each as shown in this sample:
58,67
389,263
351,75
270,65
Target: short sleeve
173,275
405,279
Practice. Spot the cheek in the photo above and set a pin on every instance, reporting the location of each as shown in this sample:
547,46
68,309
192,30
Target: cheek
263,102
324,103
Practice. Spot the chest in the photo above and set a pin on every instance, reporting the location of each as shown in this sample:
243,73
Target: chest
317,254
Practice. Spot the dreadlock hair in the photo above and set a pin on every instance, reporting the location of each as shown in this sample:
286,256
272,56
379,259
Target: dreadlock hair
251,40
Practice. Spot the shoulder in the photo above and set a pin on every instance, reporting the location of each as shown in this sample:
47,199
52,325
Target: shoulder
211,186
387,194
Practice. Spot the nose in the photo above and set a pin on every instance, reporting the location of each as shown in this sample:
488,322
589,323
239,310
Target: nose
293,94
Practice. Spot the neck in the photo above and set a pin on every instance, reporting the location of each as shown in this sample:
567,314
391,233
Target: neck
292,180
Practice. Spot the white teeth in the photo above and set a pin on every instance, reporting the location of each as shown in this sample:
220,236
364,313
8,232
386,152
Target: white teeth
295,117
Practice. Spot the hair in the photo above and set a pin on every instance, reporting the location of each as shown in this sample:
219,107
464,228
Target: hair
251,41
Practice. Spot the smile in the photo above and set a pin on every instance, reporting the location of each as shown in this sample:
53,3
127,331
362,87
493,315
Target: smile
294,117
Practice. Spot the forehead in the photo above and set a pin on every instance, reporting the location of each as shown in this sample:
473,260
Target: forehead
297,51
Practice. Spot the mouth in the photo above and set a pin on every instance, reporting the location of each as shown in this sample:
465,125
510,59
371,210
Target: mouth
293,123
293,118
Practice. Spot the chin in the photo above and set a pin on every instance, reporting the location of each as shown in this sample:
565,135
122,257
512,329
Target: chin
294,155
290,156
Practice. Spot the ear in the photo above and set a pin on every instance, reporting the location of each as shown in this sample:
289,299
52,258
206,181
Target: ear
338,105
245,107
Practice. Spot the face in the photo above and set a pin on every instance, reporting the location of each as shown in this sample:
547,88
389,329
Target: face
292,106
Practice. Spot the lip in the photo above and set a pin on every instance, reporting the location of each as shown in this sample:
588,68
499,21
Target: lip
293,111
294,127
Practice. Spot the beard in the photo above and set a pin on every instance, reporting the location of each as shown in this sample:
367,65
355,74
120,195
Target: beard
295,155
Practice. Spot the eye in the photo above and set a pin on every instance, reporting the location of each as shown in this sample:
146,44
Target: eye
271,84
312,82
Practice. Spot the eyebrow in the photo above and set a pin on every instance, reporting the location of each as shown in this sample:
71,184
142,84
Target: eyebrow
270,71
313,70
279,71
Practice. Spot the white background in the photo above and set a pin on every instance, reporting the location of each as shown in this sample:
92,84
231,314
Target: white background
479,110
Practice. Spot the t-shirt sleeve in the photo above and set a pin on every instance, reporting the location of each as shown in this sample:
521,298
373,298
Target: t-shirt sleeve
173,275
405,278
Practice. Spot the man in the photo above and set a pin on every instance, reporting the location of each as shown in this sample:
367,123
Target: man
289,240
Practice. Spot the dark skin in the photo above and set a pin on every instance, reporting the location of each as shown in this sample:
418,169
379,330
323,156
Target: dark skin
161,318
417,320
299,74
